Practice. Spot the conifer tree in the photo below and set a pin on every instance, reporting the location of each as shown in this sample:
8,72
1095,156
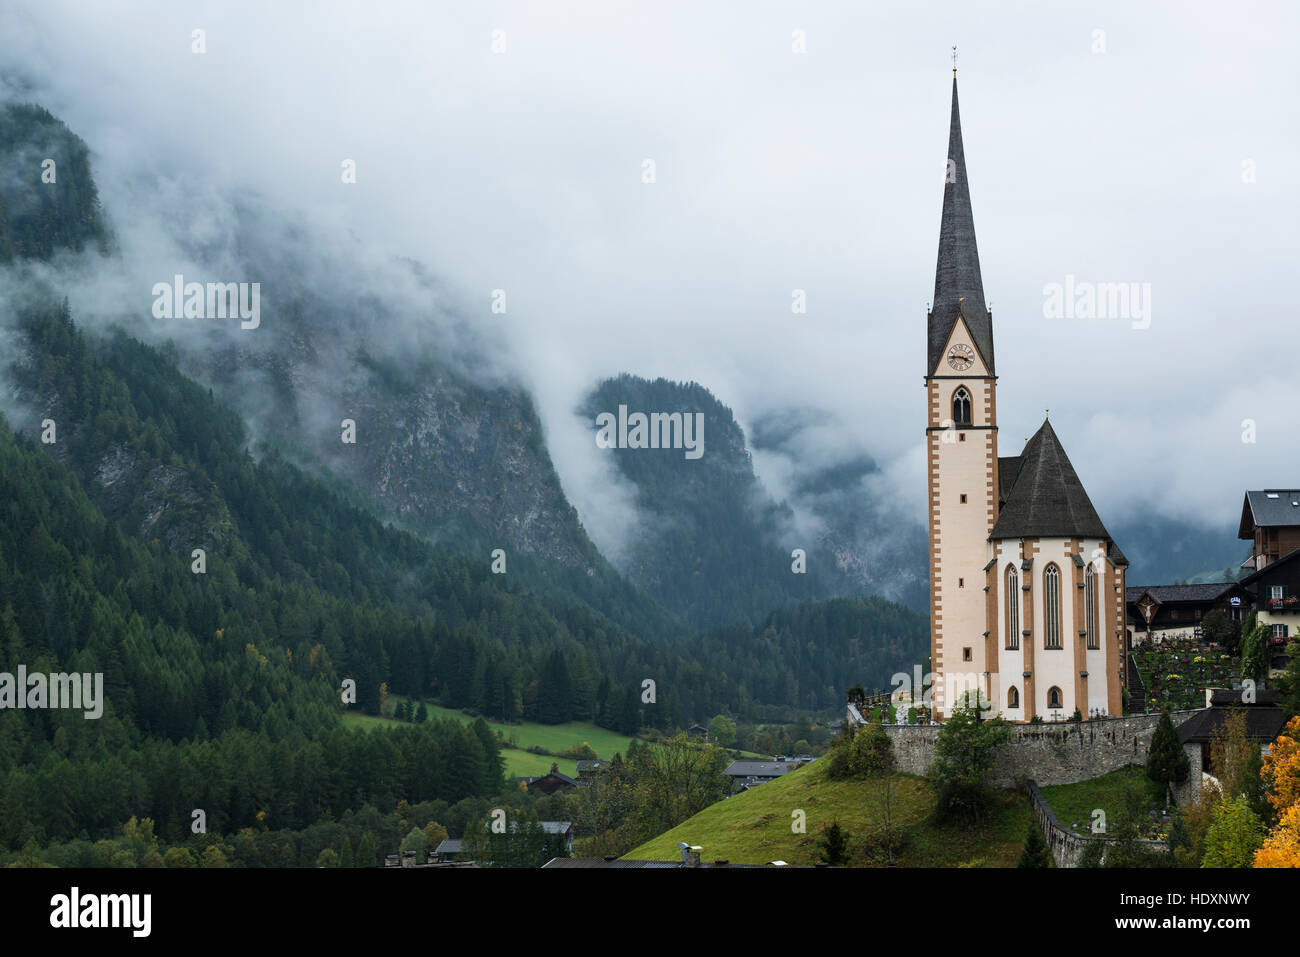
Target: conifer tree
1035,853
1167,762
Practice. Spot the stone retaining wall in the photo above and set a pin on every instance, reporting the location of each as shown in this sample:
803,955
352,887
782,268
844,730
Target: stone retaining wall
1058,753
1066,846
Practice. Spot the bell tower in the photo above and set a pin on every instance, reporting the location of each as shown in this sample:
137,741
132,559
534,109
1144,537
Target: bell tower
962,446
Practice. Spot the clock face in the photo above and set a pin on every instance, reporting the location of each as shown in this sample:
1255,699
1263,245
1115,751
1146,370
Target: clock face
961,357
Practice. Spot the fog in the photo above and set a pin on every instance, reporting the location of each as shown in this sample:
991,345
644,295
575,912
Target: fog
1151,145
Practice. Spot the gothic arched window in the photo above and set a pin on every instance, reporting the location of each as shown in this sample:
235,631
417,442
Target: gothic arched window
961,407
1090,606
1052,607
1013,698
1054,697
1013,609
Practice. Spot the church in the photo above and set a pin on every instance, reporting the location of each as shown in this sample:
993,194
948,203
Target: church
1026,585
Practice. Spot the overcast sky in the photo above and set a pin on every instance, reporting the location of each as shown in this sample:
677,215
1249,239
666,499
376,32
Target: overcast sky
1112,156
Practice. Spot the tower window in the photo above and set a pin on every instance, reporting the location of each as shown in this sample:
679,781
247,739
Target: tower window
961,583
961,407
965,654
962,437
963,498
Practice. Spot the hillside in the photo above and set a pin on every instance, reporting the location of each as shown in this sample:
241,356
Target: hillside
754,827
48,199
518,738
711,545
226,579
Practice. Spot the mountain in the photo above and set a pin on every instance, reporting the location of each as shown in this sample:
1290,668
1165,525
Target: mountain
711,544
49,200
1166,550
875,548
177,520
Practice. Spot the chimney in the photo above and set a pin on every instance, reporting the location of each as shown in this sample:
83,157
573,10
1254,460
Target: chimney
690,854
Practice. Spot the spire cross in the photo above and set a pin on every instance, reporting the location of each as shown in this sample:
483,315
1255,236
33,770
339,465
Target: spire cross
954,61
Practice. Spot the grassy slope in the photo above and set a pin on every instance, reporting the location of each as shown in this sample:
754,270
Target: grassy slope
1074,803
755,827
521,763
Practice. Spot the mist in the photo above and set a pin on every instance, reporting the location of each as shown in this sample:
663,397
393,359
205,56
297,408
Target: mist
1112,145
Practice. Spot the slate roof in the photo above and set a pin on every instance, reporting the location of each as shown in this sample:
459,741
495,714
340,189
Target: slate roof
1271,567
594,862
1207,592
560,775
1259,509
1230,697
1262,724
1047,499
1008,472
454,845
758,769
958,287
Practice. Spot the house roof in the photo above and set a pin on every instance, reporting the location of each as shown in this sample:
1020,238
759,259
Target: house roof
1270,567
759,769
597,862
452,845
1046,500
1263,723
1206,592
1231,697
958,287
1269,507
557,775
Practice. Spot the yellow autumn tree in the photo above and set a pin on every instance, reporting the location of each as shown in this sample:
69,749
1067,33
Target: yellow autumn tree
1281,772
1282,846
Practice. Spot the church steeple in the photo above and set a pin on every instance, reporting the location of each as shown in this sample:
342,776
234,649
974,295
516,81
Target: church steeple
958,288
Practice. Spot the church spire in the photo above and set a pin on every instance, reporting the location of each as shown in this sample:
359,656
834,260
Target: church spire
958,287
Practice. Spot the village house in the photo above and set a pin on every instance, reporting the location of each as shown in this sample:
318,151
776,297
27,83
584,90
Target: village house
1265,720
1171,612
747,774
453,848
549,783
